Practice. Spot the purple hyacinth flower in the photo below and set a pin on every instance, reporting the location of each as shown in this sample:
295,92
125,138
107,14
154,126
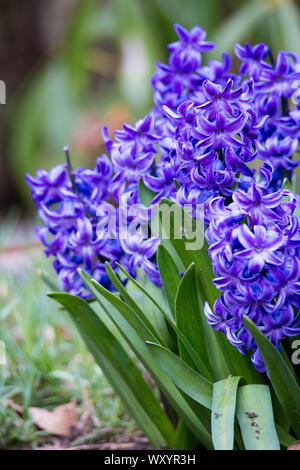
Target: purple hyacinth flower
68,277
290,125
186,53
56,242
185,116
98,178
220,98
279,80
84,243
141,250
132,157
256,204
258,361
225,320
281,324
64,216
278,151
252,59
140,135
222,133
286,278
48,186
260,246
163,182
216,71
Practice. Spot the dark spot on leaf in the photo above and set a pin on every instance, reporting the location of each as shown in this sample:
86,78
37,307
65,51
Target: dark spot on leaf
251,415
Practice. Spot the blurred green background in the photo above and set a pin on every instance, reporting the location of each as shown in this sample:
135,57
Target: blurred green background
71,65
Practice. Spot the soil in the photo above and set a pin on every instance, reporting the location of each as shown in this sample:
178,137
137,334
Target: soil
120,442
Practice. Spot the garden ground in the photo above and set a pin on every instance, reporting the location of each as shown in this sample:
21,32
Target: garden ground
47,365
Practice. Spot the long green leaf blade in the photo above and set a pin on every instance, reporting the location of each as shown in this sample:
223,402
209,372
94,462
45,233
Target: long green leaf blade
136,336
239,25
172,216
120,369
196,358
131,302
169,274
145,194
223,413
188,380
255,416
281,376
284,437
289,26
188,317
175,218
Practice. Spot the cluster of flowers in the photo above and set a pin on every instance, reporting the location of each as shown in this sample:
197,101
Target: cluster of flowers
195,146
221,121
255,244
75,210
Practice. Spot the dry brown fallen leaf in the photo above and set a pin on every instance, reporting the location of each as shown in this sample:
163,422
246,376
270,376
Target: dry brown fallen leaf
295,446
60,421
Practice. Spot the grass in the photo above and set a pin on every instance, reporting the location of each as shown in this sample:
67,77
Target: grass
47,364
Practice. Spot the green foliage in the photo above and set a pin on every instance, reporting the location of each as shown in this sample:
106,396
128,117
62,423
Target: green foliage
281,374
195,370
47,362
208,404
255,416
119,368
14,431
223,413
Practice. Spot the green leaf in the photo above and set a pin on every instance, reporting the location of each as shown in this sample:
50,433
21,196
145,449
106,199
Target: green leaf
169,275
186,378
145,194
288,21
135,332
223,413
190,13
172,218
224,357
177,184
188,317
284,437
184,439
255,416
281,376
290,185
131,302
120,370
48,280
157,316
239,25
194,355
